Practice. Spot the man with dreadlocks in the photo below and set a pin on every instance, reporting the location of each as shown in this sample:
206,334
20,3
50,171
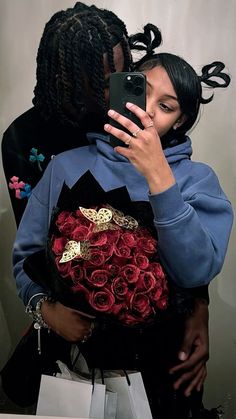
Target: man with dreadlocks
79,48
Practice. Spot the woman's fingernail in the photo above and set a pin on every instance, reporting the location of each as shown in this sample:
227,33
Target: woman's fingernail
129,105
111,112
106,126
182,356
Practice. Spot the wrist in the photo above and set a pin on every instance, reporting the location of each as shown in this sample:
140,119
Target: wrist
35,311
158,184
48,310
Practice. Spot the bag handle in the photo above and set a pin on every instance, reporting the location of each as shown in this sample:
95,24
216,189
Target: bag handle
127,377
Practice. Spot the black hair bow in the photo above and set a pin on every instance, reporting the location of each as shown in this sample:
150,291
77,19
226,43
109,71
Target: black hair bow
209,74
214,70
147,41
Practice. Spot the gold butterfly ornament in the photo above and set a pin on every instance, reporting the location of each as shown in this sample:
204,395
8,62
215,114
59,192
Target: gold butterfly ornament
103,221
75,249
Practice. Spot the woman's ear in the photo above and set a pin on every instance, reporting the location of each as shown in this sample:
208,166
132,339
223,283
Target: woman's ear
179,121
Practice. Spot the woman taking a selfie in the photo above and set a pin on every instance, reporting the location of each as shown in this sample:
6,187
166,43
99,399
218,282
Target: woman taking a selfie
169,210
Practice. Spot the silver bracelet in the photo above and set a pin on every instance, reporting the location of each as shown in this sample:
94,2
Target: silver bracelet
29,309
36,314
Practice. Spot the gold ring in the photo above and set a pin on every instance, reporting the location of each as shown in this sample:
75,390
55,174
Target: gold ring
128,141
135,133
150,125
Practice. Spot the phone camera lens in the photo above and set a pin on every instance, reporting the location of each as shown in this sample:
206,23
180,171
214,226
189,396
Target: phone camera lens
138,90
129,85
138,81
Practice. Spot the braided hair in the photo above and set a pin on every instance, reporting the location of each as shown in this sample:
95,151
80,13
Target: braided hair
187,84
70,54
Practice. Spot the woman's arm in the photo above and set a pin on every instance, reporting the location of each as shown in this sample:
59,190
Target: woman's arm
193,232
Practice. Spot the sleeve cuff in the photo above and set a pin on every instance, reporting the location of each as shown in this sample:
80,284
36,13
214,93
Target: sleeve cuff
168,205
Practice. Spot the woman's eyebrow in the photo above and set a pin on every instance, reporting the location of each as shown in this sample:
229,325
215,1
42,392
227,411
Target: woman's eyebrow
167,96
149,84
171,97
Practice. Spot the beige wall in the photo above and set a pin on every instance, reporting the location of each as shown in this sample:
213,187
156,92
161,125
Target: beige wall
201,31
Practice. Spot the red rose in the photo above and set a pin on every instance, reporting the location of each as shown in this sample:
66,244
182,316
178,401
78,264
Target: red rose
77,273
141,261
98,239
68,226
160,297
157,293
58,245
98,278
147,245
146,282
80,233
113,269
116,309
122,251
129,239
63,268
156,268
107,250
141,305
113,236
130,273
102,300
97,258
61,219
119,288
82,220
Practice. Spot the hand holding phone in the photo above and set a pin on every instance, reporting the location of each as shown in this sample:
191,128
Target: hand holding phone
126,87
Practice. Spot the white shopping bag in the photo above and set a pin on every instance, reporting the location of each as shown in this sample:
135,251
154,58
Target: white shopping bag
15,416
110,405
62,397
132,402
97,408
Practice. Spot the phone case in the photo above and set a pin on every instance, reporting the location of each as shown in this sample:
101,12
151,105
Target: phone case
126,87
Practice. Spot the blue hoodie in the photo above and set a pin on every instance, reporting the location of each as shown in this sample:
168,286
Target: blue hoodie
193,217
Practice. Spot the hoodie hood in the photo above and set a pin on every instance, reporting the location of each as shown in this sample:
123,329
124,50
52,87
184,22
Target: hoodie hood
173,154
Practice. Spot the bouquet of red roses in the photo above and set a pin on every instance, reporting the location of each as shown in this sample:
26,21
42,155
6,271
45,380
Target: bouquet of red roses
112,261
103,262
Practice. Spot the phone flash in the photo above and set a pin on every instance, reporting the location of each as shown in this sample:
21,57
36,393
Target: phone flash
128,77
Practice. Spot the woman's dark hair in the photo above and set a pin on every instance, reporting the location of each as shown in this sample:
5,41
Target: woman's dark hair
186,82
71,53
